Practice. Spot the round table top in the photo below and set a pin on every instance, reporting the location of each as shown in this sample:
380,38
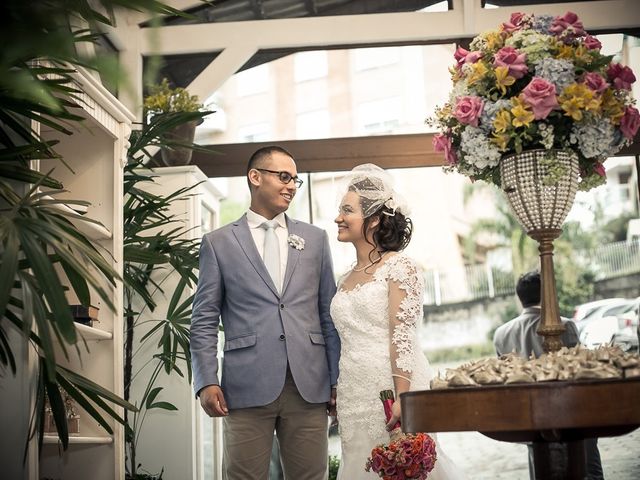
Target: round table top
550,411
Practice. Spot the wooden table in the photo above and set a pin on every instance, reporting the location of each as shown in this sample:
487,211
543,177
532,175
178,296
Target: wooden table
555,416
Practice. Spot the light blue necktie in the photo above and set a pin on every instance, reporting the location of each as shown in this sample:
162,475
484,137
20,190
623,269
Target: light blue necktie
271,252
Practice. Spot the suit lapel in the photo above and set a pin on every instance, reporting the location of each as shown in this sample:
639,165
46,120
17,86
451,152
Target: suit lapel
248,245
293,254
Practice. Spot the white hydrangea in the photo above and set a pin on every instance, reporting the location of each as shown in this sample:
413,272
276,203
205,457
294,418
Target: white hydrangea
478,150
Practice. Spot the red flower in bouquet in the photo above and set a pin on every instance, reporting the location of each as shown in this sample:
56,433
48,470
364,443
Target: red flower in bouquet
407,456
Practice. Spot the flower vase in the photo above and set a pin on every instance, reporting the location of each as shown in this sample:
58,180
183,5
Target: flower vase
540,186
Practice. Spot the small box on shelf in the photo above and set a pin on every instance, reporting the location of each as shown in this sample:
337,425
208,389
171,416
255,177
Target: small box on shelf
85,315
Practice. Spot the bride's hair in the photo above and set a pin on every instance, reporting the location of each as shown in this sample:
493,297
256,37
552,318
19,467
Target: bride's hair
393,232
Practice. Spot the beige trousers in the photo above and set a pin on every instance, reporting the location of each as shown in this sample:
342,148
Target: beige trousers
301,428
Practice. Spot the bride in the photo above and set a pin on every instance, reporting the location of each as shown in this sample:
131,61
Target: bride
377,310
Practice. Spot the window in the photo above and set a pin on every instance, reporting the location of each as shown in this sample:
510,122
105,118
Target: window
207,219
258,132
313,125
379,116
252,81
368,58
310,65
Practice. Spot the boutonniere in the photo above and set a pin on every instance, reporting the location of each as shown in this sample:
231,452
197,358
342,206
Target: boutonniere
295,241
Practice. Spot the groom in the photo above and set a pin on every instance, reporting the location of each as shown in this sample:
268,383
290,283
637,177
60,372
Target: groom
269,279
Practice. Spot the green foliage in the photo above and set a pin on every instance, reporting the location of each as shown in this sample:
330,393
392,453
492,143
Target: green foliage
334,465
156,246
164,99
43,254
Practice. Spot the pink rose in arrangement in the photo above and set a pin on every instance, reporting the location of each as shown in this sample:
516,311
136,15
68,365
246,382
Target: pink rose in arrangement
442,144
540,95
463,56
568,26
592,43
468,110
515,22
515,62
630,122
621,76
595,82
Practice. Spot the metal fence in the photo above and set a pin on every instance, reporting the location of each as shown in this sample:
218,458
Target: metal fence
474,282
616,259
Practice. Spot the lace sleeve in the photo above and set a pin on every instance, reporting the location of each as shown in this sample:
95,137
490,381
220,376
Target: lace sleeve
406,290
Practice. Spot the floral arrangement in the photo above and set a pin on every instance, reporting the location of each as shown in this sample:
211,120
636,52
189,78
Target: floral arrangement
407,456
296,241
537,82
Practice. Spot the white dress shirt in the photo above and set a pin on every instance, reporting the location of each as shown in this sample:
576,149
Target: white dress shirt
254,220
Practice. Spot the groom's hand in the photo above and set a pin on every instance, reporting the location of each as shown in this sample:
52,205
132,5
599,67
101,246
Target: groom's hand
331,404
213,402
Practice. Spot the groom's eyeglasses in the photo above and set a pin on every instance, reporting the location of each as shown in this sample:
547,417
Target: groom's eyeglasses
284,177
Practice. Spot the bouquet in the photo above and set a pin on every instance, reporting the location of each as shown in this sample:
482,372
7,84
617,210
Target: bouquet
407,456
537,82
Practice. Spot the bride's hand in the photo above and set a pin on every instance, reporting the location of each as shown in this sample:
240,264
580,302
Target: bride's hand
396,413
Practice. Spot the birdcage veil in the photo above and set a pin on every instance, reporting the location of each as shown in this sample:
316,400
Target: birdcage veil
375,188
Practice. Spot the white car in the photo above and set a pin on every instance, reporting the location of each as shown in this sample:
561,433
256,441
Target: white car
592,311
583,310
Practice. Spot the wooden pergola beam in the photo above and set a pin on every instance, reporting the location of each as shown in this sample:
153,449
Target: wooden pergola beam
326,155
337,154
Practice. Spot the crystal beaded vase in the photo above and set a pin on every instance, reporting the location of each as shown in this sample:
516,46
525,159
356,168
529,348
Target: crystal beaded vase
541,186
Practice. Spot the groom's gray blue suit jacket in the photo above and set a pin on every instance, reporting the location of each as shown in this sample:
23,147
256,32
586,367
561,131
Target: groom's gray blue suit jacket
264,330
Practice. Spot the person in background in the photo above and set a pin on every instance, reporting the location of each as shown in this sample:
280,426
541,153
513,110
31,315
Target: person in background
520,336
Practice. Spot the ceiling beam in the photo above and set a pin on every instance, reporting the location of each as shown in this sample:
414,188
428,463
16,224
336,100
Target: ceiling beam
466,19
338,154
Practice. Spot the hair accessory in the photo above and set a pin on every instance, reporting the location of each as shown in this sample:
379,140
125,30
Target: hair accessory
375,187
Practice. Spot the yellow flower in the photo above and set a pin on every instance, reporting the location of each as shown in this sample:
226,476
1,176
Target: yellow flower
478,71
501,140
573,108
503,79
522,116
577,98
566,51
494,39
502,121
612,108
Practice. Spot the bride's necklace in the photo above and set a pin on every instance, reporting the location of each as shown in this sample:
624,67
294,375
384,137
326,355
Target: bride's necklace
362,269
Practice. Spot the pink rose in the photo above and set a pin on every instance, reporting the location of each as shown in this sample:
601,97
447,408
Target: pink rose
442,144
621,76
568,26
463,56
468,110
509,57
630,122
595,82
592,43
599,169
515,22
540,95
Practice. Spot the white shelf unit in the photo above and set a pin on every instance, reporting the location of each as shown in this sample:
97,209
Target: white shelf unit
96,155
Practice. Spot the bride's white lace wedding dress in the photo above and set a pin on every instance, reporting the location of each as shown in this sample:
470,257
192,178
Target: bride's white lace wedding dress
377,322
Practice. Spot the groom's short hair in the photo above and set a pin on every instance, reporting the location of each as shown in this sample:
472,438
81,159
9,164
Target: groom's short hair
260,156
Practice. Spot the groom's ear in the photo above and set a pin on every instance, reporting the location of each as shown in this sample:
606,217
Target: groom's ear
254,177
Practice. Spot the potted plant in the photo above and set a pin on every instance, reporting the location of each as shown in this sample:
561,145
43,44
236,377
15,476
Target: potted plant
165,101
